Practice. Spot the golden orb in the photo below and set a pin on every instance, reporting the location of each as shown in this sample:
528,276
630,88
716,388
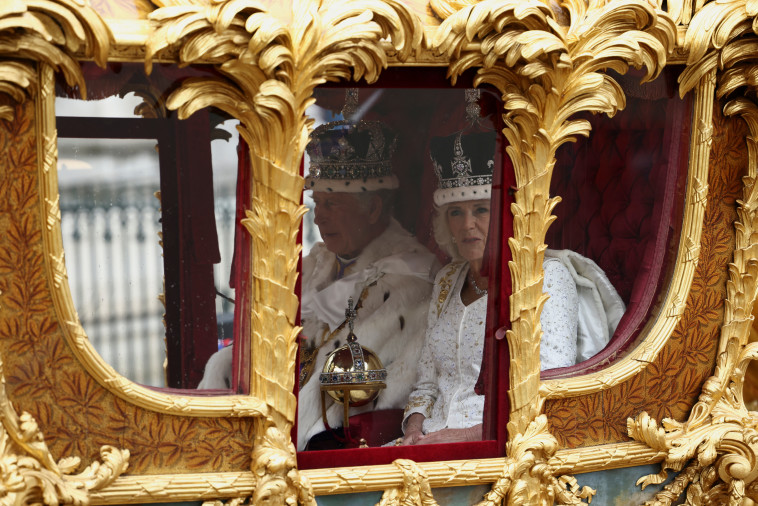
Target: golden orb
354,370
351,370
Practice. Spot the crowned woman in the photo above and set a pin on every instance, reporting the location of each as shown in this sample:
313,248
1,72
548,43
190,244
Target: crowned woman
577,320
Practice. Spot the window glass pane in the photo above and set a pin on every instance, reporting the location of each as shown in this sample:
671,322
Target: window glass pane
622,193
110,221
373,192
109,107
224,153
149,211
633,161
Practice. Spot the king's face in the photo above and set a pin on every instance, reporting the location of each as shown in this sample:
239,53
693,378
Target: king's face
343,221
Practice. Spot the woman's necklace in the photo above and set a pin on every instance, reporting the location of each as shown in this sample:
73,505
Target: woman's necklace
472,282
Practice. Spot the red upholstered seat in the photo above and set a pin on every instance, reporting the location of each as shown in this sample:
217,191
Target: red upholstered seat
620,205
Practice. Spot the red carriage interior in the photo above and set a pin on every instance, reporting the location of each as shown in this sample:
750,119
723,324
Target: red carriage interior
621,206
622,202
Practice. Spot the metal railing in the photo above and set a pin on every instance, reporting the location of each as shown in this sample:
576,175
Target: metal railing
115,270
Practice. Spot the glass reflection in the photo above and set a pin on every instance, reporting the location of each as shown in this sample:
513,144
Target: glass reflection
110,227
149,207
431,393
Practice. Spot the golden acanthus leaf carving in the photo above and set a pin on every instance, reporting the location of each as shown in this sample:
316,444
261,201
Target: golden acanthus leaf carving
446,8
721,36
716,449
716,457
49,31
271,61
528,477
415,489
546,73
30,475
239,485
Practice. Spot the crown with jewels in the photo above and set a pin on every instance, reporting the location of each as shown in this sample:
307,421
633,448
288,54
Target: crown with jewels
463,163
351,156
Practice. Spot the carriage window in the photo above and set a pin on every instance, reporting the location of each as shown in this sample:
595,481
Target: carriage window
107,226
399,183
622,195
148,205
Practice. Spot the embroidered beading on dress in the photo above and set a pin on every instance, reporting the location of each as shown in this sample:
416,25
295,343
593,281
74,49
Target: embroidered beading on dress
559,317
450,363
452,354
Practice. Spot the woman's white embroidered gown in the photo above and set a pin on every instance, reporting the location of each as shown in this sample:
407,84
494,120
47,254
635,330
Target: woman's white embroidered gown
452,353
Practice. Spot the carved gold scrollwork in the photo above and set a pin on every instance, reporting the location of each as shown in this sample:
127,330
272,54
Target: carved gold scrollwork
548,62
275,470
528,477
30,475
50,31
271,61
446,8
546,73
277,479
717,456
415,490
716,449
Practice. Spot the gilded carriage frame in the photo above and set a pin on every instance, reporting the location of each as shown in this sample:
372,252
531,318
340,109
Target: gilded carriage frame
548,61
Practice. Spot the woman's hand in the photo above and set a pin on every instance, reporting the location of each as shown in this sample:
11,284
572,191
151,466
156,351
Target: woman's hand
413,430
451,436
412,437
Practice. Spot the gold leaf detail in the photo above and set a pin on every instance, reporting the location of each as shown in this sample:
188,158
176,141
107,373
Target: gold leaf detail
49,31
270,61
54,212
701,192
415,489
31,476
547,69
528,457
59,269
716,449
